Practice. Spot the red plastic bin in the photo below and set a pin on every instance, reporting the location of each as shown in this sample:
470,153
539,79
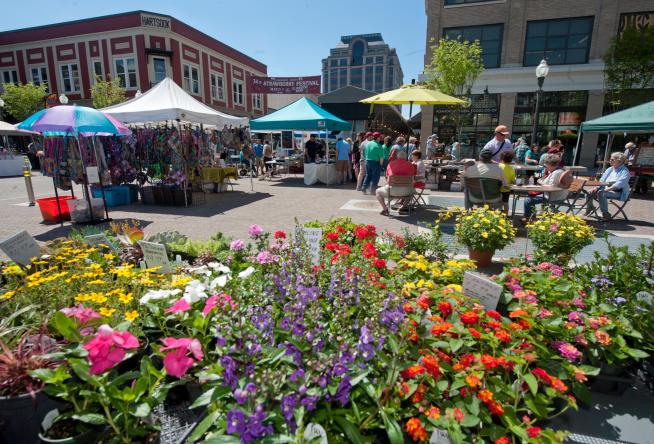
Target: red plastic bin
48,207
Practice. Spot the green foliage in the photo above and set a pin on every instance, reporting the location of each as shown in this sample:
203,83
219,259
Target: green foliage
107,93
217,244
168,237
21,101
428,244
454,67
629,62
483,229
559,236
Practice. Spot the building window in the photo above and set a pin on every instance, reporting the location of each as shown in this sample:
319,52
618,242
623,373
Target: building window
217,87
126,72
369,78
333,62
333,80
70,78
379,59
379,78
256,101
237,92
356,77
389,78
343,77
489,37
369,60
96,65
464,2
561,42
159,66
40,77
9,76
343,62
191,79
357,53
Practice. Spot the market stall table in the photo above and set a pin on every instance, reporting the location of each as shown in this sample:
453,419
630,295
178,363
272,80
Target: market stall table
12,166
522,190
319,172
217,176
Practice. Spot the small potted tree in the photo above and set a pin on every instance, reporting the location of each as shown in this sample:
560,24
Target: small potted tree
483,231
558,237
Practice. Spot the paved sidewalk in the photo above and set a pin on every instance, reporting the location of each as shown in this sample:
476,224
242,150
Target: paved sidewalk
277,204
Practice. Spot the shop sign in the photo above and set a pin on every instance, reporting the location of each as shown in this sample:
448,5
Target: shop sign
636,20
153,21
284,85
469,110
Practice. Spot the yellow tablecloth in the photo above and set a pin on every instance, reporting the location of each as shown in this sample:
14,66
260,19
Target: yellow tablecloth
218,175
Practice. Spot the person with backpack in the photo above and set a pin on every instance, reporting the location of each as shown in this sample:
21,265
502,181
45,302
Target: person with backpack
499,143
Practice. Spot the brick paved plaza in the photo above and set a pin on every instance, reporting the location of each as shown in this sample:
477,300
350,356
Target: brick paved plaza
277,204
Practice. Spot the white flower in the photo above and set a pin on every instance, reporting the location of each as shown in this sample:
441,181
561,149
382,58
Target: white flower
246,273
391,264
200,270
217,266
158,294
195,290
220,281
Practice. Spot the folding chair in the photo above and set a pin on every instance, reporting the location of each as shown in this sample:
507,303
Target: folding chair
480,191
419,183
576,200
618,204
395,182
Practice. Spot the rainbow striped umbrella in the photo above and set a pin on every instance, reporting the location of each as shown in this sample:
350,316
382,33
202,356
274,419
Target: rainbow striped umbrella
73,120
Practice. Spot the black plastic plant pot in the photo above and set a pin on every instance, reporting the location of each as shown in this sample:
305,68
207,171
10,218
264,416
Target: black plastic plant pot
21,417
87,437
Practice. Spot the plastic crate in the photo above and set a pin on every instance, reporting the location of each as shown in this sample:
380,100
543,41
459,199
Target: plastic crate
79,210
49,210
133,192
114,195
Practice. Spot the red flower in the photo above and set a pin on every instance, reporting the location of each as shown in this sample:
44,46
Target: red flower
423,301
419,394
502,440
503,335
280,235
415,430
445,308
380,263
474,332
413,371
369,251
407,307
489,361
331,246
558,385
331,236
495,408
494,314
485,395
431,364
533,432
458,414
470,317
439,329
542,375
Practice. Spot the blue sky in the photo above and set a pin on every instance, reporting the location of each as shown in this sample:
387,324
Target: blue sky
290,36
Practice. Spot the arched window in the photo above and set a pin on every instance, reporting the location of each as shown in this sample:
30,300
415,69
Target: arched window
357,53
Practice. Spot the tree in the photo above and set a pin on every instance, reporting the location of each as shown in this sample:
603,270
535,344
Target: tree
21,101
629,63
454,67
107,93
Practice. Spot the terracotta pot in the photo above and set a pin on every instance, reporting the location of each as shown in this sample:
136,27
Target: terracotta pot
481,258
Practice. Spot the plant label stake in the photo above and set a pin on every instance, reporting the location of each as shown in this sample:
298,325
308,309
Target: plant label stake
643,296
482,288
313,431
440,436
155,256
21,248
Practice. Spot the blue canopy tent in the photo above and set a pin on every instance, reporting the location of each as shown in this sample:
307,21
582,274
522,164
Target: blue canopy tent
301,115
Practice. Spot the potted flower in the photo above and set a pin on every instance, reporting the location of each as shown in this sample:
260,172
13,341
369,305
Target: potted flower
22,404
559,236
483,231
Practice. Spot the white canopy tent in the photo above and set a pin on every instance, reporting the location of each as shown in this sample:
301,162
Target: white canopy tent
166,101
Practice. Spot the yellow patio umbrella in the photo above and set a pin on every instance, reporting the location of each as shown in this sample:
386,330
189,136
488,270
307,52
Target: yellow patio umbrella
410,94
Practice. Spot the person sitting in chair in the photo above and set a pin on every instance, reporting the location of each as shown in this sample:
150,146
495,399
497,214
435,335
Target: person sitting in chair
552,164
484,169
617,176
396,167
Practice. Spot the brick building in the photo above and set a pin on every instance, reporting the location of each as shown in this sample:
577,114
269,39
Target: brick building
515,35
140,48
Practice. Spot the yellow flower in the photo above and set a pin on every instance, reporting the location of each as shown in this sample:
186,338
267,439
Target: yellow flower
98,298
455,287
447,273
7,294
125,298
109,256
107,312
131,315
421,266
484,235
96,282
180,281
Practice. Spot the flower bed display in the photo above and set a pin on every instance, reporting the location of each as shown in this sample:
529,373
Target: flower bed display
375,342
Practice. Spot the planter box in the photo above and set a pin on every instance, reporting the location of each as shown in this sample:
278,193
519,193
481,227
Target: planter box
147,195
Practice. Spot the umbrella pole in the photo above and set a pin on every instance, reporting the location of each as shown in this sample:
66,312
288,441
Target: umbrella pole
61,219
409,129
86,182
606,152
104,200
574,156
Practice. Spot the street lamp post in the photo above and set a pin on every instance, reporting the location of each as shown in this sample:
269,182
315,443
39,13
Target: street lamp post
63,99
541,72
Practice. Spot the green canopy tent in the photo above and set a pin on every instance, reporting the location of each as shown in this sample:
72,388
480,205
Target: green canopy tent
639,119
301,115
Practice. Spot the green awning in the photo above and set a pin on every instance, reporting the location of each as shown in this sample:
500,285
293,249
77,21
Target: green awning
301,115
639,119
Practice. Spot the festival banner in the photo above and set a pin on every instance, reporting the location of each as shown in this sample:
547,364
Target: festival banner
284,85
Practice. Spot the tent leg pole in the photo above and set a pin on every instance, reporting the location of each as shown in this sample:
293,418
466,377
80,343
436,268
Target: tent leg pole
607,153
61,219
574,156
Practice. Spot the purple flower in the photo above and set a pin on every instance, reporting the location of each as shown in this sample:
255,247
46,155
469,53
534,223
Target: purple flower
366,336
241,396
297,374
255,230
235,422
567,350
601,281
620,300
236,245
229,371
575,316
288,408
343,391
310,402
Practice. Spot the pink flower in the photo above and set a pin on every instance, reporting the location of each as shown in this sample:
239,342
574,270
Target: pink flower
544,313
83,315
180,306
554,228
265,257
221,299
255,230
236,245
568,351
108,347
177,362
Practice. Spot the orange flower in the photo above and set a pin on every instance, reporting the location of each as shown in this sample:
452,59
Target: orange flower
404,389
439,329
580,376
518,313
485,395
413,371
458,414
603,337
419,394
407,307
431,364
469,317
558,385
423,301
473,380
489,361
415,430
474,333
433,413
502,440
503,335
495,408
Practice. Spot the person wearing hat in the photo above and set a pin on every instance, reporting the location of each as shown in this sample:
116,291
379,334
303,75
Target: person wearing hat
499,143
486,169
362,164
630,152
374,155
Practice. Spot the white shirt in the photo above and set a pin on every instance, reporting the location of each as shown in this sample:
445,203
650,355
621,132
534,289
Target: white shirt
498,147
553,179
